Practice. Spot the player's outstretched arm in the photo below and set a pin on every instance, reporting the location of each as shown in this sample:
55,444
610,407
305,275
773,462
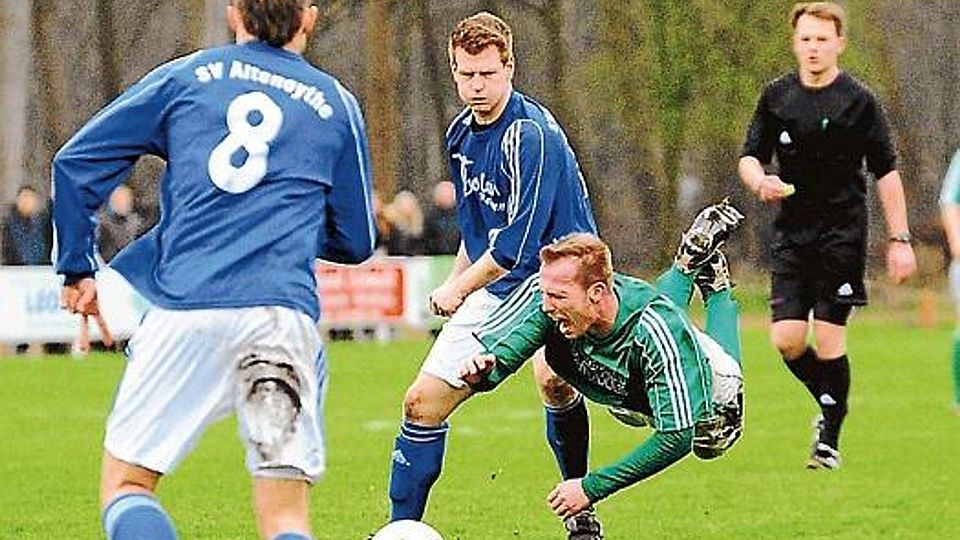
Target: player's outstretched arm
446,299
659,451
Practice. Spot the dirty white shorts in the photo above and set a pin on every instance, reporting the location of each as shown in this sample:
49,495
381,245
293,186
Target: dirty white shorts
187,369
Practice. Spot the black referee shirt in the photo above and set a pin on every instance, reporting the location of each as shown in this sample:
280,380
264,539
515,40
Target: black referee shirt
821,137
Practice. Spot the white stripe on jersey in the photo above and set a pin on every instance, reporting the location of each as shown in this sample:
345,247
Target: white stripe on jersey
356,120
512,152
669,351
462,117
506,312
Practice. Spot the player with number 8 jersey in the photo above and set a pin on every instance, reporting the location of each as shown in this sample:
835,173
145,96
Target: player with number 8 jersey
267,170
266,155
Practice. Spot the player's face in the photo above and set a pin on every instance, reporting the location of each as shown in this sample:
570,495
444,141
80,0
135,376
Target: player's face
565,300
483,81
817,45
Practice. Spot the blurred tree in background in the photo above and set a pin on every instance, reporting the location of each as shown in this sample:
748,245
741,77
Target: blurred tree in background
655,95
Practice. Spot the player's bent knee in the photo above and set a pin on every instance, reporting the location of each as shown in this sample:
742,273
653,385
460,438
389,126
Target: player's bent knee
789,346
270,403
423,406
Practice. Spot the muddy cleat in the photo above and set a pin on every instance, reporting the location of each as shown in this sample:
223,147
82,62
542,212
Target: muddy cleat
710,229
715,435
822,455
584,526
714,275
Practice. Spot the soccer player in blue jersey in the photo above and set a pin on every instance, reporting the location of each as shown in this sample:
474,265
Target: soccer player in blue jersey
950,213
267,170
519,187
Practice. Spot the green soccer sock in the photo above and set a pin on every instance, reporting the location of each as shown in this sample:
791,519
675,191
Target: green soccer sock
676,286
723,321
956,368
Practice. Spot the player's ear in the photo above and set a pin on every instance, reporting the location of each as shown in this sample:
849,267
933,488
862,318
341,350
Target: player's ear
233,18
509,66
310,15
595,292
843,45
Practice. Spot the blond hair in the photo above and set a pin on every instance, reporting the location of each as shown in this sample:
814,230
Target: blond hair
594,262
477,32
827,11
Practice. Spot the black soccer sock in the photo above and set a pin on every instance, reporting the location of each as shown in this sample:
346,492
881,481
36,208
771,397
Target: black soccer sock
835,374
807,370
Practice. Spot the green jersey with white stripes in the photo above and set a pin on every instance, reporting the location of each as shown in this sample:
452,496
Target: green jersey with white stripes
650,363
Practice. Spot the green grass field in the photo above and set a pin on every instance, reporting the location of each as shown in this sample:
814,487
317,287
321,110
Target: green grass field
900,478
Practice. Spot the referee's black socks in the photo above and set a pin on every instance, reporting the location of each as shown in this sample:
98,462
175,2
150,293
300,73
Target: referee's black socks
807,370
835,386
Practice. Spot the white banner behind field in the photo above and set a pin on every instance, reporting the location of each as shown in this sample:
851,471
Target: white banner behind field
389,290
30,306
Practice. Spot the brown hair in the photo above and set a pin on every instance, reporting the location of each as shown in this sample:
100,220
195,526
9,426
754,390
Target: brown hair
827,11
592,254
477,32
272,21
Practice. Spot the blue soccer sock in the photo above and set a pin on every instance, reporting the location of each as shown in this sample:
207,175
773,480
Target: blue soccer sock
568,433
136,515
416,463
291,536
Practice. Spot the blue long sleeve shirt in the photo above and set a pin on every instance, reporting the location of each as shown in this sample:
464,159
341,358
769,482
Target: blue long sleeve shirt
519,187
267,170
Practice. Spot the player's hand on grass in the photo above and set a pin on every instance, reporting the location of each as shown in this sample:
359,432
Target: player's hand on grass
901,262
445,300
772,189
568,498
472,371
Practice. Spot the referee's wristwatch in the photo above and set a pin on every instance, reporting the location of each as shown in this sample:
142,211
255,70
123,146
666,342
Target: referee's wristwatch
902,237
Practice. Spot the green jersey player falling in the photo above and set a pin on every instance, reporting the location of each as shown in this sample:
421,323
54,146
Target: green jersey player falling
630,345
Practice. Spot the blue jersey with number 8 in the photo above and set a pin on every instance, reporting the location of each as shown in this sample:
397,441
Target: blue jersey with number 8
267,170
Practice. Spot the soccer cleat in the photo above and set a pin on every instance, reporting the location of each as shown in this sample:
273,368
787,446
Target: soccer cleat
822,455
714,275
584,525
710,229
714,436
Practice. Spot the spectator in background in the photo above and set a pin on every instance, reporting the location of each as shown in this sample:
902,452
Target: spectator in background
406,224
384,228
441,234
27,233
120,223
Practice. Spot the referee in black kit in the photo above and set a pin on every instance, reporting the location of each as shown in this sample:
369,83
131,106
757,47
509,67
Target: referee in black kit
822,123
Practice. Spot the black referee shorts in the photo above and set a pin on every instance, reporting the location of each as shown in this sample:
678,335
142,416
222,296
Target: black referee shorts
819,269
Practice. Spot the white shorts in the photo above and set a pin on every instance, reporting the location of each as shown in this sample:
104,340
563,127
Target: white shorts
456,343
185,372
727,375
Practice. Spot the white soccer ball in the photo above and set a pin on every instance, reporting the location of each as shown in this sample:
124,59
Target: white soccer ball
407,529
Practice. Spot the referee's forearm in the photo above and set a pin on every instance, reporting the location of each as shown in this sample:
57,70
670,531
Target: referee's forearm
751,172
890,191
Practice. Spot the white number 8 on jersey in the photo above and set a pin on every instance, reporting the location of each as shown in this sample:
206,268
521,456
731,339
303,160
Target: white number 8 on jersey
255,139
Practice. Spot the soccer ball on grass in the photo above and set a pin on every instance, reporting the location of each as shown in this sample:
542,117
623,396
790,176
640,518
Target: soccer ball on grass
407,529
